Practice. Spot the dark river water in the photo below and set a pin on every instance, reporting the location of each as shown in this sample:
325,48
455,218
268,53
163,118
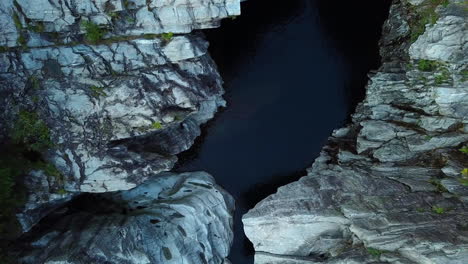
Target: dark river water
294,71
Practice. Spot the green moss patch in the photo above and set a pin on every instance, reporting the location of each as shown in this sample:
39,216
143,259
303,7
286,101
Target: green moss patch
94,33
30,131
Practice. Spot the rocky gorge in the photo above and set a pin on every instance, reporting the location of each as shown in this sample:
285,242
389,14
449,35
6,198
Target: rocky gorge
99,97
391,187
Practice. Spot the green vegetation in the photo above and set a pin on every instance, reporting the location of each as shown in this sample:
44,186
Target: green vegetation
464,150
113,15
464,74
420,210
21,40
464,181
442,77
438,210
178,118
464,172
94,34
425,14
17,21
167,36
157,125
427,65
375,252
438,185
20,154
97,91
29,130
38,27
62,191
3,49
126,4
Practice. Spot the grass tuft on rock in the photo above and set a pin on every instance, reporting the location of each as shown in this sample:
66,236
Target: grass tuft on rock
425,15
94,33
438,210
375,252
157,125
427,65
29,130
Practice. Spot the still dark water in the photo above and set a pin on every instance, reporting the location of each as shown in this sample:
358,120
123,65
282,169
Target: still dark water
294,71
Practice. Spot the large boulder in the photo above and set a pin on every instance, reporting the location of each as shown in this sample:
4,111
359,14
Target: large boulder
174,218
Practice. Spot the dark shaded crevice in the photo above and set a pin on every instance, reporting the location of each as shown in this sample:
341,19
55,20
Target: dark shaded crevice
293,72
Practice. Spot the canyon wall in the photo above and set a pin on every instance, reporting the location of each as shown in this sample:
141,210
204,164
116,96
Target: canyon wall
100,96
392,186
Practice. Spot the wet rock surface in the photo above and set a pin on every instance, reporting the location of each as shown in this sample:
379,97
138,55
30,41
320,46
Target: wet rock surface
391,186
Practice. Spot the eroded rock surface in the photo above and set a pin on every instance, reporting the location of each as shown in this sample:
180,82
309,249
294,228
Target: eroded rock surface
174,218
392,186
122,85
118,88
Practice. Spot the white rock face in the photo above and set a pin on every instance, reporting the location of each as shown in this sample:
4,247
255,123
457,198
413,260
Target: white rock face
388,188
445,40
119,106
91,96
130,18
174,218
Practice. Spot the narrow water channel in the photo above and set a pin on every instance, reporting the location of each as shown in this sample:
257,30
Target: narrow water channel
294,71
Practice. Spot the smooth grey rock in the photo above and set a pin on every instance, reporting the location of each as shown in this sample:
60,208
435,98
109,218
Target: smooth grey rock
173,218
388,187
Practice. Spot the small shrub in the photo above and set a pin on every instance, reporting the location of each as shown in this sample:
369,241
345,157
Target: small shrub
29,130
464,74
113,15
38,27
97,91
442,77
438,185
49,169
464,181
157,125
464,172
464,150
130,20
94,33
62,191
438,210
427,65
167,36
374,252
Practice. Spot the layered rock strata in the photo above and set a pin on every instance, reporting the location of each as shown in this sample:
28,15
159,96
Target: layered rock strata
122,87
391,187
